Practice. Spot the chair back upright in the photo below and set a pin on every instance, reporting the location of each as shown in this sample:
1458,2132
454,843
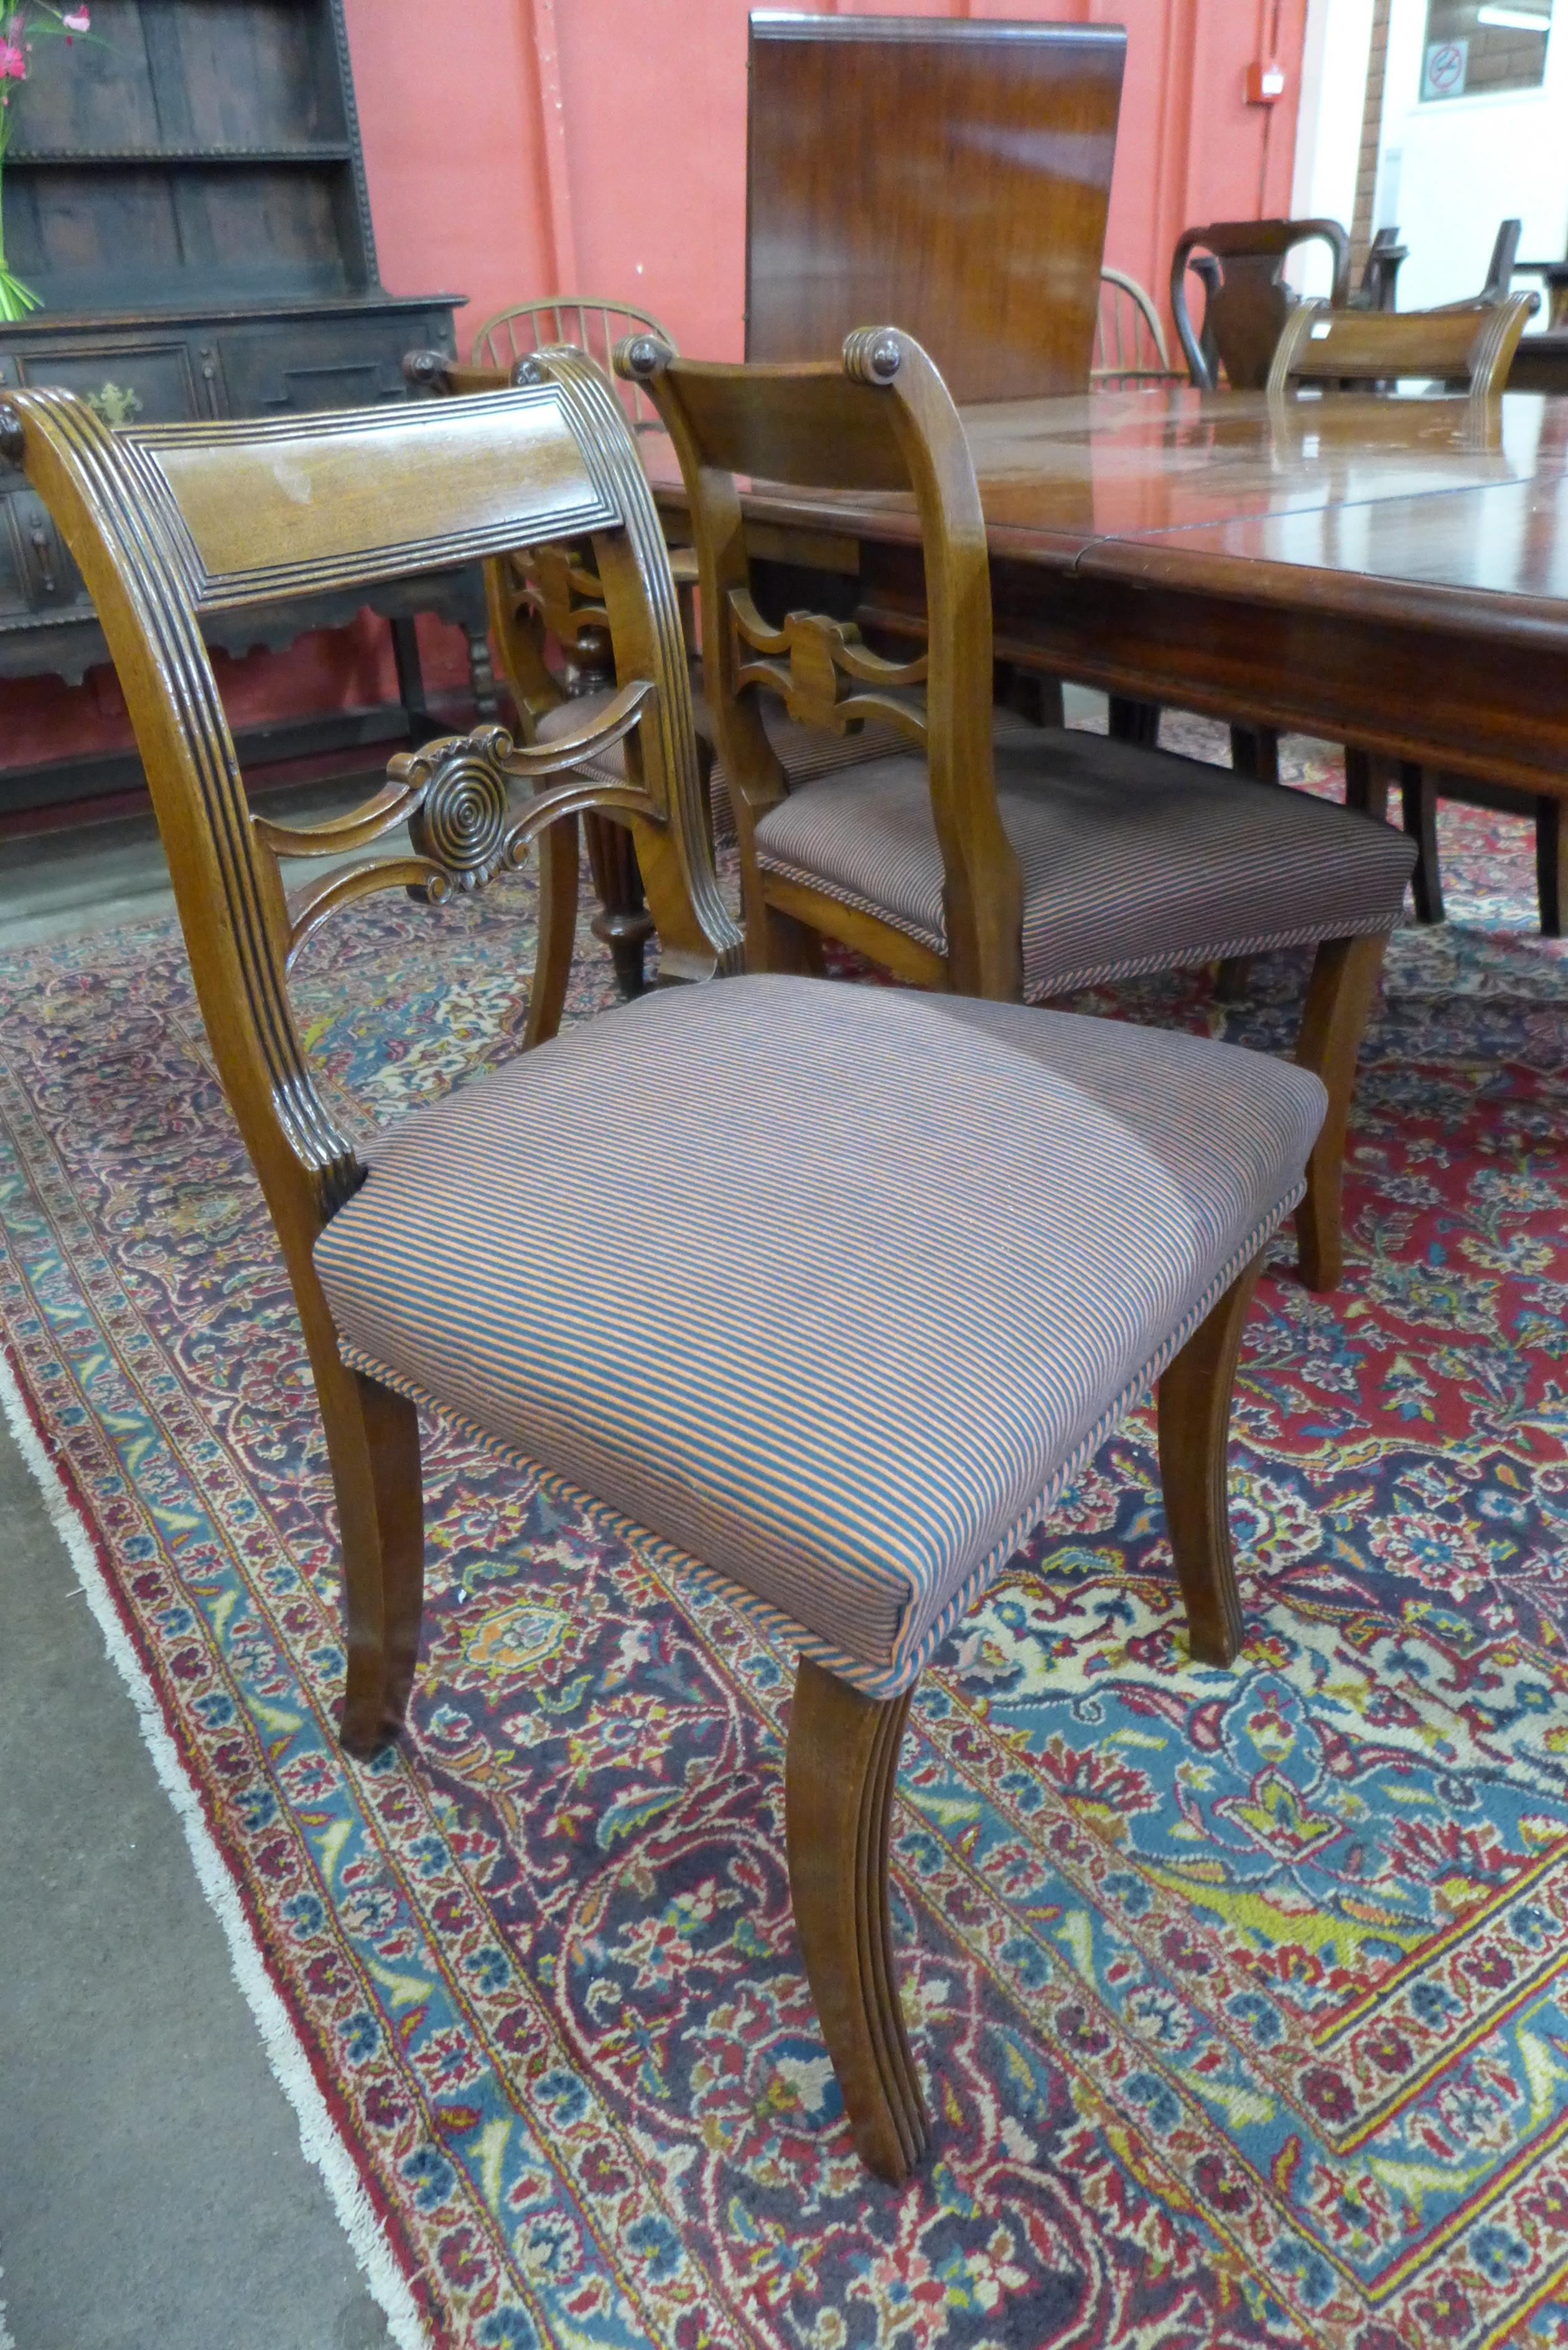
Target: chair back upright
1469,344
172,523
1379,287
1129,340
538,593
879,420
586,321
1247,307
1504,260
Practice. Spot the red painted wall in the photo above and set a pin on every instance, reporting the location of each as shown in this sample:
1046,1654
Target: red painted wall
656,146
531,147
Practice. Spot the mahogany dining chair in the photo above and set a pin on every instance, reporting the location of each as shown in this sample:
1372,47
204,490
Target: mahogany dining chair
824,1293
1241,267
1466,345
1022,868
1248,301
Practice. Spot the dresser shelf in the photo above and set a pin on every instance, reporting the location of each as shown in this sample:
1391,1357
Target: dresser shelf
188,198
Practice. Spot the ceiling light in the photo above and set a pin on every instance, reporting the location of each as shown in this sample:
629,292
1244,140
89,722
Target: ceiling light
1513,20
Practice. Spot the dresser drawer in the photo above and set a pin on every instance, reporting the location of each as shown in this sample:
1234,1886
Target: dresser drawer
123,379
37,574
312,363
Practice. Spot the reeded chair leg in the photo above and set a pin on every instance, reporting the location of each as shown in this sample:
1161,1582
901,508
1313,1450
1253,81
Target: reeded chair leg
1340,997
373,1442
1128,720
1194,1418
558,853
777,941
839,1772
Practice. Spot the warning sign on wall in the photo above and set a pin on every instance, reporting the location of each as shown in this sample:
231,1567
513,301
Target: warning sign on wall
1443,75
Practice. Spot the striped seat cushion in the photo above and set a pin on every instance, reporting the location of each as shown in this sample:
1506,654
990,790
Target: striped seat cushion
828,1289
1133,860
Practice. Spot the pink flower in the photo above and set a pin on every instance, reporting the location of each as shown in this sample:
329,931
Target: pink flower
74,20
13,61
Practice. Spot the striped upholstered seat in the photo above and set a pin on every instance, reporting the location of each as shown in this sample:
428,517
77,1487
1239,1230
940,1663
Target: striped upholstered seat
830,1289
1133,860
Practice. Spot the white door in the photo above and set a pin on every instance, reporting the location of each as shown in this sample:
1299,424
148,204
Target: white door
1474,130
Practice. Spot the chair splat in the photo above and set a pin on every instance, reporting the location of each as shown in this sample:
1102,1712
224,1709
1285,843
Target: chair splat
456,796
805,661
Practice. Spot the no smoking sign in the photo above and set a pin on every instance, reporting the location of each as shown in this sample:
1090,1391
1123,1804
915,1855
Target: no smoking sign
1447,62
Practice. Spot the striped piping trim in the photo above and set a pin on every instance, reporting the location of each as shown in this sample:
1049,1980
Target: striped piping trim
1262,943
1089,974
912,1648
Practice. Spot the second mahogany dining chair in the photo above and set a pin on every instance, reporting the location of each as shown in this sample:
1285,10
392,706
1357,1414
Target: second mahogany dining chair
1017,870
1470,344
824,1292
1248,299
548,627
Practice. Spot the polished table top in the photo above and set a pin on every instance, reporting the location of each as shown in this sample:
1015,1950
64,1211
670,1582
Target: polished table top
1426,506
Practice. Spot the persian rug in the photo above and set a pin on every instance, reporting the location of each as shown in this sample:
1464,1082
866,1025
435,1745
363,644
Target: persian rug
1239,1995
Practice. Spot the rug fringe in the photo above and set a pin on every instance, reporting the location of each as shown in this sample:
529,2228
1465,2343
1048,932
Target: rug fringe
320,2140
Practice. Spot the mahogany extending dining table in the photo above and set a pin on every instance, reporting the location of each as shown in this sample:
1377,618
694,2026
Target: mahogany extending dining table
1389,572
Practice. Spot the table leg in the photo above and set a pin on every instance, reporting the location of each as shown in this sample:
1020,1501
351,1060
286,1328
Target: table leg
411,679
1134,722
1550,865
1255,754
1367,776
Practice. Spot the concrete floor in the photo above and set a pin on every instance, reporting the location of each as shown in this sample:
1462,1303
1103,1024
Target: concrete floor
153,2195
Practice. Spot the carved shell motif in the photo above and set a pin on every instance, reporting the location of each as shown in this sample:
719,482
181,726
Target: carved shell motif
460,823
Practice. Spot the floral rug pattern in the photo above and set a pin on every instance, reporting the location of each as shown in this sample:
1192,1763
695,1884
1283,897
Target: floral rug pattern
1239,1995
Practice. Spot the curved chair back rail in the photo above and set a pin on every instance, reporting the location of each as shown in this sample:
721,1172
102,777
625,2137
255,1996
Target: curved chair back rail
1129,340
1249,301
590,322
1470,344
533,593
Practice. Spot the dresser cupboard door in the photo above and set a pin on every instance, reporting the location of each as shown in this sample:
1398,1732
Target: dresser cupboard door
296,364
